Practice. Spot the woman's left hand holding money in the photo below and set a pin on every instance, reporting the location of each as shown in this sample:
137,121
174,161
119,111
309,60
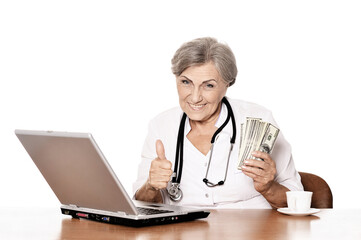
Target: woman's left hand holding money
263,174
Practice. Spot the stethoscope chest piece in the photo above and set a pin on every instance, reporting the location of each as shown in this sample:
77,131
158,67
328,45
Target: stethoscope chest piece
175,193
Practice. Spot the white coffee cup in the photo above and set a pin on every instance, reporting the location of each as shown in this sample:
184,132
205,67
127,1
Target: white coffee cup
299,201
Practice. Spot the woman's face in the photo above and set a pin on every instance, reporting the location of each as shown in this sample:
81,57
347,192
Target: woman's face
201,89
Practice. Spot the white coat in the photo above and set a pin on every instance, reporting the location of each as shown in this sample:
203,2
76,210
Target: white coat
238,190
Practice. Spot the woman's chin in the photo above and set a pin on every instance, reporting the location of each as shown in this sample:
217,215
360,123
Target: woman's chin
196,116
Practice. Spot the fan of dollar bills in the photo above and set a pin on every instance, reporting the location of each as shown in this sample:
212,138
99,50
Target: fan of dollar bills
256,135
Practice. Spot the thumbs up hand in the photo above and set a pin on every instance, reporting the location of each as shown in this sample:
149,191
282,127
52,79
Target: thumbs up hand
160,171
159,148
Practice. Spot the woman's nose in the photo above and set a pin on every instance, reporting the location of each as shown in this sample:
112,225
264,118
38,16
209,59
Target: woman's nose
196,95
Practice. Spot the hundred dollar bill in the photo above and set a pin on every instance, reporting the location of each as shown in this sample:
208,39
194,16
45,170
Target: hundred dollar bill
256,135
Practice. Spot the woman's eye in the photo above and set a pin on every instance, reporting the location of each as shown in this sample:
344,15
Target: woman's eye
185,82
210,85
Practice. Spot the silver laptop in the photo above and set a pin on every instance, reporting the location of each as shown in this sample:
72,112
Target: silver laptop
87,187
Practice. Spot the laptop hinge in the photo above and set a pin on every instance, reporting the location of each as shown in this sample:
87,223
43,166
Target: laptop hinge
121,213
75,207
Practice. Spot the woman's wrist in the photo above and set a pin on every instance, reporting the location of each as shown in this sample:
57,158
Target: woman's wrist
148,193
276,195
149,187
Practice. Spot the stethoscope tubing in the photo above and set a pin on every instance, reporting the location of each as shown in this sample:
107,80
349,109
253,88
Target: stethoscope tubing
178,166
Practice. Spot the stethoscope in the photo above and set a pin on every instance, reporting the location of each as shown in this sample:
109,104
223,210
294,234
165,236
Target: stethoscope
174,191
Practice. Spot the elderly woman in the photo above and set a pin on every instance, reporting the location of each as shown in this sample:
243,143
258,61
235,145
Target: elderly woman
204,69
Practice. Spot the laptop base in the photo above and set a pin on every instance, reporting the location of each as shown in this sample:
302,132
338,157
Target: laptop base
135,222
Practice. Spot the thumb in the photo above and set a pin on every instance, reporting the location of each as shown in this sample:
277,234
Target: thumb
160,149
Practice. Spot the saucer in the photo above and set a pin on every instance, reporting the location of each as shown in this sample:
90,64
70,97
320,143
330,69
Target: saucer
290,212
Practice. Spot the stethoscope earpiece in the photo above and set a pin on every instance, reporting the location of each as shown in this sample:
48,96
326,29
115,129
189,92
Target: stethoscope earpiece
209,184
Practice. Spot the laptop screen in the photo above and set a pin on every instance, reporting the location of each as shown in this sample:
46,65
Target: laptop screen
76,170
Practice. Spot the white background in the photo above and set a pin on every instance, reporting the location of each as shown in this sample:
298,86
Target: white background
104,67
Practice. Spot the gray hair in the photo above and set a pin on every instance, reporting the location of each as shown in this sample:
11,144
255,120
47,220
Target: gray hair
204,50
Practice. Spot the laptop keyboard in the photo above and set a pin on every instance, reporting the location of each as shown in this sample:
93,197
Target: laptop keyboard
151,211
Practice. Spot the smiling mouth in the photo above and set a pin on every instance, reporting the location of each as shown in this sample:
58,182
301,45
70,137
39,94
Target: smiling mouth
196,107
